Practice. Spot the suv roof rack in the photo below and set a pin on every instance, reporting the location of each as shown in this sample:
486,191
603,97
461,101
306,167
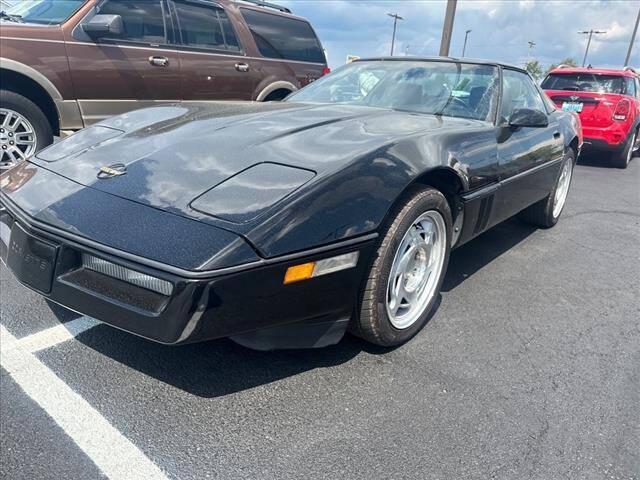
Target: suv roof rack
260,3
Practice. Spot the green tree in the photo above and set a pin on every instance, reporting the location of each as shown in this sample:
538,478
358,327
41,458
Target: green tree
565,61
534,68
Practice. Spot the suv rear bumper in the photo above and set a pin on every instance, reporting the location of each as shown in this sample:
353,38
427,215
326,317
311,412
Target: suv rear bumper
612,137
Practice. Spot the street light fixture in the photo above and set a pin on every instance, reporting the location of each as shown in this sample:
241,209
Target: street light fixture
464,47
590,33
395,17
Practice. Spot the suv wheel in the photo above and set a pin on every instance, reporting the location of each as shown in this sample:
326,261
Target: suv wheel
24,129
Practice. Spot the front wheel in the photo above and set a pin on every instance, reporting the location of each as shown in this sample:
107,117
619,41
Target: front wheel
405,277
546,212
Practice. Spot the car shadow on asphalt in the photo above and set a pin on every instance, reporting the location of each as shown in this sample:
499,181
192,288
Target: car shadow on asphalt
221,367
595,159
474,255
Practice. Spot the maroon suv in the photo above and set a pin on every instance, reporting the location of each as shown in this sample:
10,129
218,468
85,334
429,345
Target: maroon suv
65,64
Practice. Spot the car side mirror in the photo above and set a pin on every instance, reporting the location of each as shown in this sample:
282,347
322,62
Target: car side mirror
103,26
527,117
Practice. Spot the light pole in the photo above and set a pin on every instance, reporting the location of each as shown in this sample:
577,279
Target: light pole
590,33
447,29
395,17
531,45
633,39
464,47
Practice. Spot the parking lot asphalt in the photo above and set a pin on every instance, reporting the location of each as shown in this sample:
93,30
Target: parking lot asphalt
529,369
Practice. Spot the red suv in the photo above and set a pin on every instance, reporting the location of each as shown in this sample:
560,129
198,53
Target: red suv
608,102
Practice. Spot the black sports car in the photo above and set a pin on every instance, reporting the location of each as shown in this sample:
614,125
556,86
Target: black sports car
283,224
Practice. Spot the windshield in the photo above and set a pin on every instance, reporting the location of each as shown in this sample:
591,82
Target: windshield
441,88
45,12
585,82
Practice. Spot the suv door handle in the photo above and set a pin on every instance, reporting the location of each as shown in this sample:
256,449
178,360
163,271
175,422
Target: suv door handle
242,67
159,61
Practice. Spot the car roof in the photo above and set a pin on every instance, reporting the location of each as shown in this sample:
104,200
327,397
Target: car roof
471,61
593,71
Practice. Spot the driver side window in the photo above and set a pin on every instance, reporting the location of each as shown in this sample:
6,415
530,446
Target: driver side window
518,92
143,20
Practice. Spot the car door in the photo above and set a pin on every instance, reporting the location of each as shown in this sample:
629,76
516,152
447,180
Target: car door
116,73
212,62
528,157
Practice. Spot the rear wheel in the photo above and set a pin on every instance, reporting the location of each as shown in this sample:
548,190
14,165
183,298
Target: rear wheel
546,212
404,280
24,129
622,159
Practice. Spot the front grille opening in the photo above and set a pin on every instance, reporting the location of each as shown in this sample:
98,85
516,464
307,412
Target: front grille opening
118,291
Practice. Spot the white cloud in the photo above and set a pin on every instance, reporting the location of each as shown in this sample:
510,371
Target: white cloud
500,29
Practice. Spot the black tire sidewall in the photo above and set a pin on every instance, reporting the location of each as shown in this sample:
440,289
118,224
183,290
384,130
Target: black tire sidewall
35,116
429,199
622,159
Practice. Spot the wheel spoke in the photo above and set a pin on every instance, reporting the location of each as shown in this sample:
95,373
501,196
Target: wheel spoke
416,269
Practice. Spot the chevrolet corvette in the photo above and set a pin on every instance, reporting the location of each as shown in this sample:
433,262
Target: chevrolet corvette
283,225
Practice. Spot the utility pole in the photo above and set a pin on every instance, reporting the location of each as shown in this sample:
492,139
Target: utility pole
464,47
633,39
395,17
590,33
447,30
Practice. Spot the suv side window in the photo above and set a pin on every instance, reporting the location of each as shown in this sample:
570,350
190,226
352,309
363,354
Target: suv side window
143,20
205,26
518,91
280,37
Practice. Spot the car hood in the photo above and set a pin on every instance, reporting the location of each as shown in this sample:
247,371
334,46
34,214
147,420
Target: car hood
174,154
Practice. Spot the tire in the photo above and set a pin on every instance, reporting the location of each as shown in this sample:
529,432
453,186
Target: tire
373,321
16,103
543,214
622,159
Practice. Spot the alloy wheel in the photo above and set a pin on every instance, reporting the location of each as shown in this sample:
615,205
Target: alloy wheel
562,189
17,138
416,268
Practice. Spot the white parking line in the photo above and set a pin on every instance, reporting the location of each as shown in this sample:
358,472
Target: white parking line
112,452
58,334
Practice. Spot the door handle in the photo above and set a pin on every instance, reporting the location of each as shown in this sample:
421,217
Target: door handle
556,134
242,67
159,61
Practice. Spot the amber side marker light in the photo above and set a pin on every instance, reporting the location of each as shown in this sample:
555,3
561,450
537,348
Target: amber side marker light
306,271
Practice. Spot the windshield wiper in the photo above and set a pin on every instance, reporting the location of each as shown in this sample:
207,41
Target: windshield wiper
11,18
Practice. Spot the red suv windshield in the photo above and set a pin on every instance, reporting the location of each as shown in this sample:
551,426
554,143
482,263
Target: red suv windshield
586,82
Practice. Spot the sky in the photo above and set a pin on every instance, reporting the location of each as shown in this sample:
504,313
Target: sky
501,29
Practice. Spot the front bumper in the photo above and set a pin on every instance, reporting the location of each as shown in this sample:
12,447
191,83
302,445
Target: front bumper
225,303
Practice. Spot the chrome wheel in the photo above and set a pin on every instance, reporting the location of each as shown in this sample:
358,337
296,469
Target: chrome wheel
17,138
416,269
562,189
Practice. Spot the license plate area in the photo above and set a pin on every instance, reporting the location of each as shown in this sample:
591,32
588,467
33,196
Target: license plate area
572,106
31,259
